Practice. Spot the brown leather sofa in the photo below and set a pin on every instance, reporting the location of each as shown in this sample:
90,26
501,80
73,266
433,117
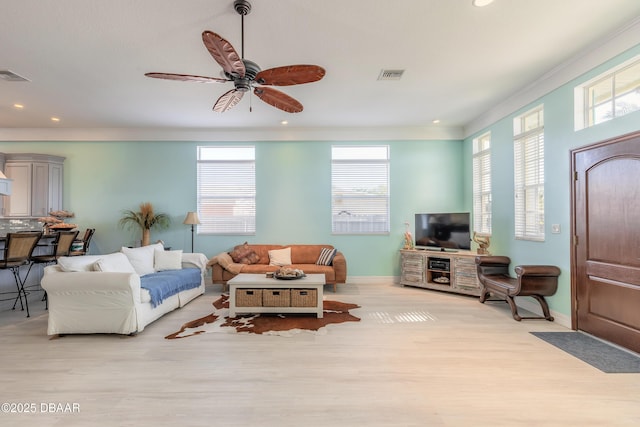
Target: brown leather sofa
303,257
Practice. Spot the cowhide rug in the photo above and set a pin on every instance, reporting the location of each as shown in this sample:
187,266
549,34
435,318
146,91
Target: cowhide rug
272,324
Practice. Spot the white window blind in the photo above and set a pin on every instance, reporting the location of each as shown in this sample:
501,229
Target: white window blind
529,175
482,184
226,190
360,189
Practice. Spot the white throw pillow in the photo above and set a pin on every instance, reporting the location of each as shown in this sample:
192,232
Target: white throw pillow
77,263
167,260
142,258
280,256
115,263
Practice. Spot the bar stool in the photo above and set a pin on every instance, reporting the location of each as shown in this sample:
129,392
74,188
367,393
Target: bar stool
82,244
62,247
17,252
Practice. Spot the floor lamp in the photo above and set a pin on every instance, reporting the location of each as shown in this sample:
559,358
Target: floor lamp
191,219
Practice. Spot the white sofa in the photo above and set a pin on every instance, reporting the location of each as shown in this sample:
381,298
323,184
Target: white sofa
102,293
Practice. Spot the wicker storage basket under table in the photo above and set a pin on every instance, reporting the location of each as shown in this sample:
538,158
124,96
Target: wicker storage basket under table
304,297
248,297
257,293
276,297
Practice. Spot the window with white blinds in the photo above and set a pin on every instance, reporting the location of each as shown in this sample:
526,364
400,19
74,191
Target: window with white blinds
482,184
360,189
609,95
528,130
226,190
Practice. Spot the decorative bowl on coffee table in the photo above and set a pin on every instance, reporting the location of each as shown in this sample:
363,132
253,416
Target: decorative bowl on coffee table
288,274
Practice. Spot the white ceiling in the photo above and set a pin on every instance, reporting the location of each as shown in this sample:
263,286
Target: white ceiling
86,59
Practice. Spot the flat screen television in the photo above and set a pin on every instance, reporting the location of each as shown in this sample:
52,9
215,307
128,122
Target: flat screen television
443,231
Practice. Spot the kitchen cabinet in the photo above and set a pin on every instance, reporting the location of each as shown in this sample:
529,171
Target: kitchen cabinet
37,184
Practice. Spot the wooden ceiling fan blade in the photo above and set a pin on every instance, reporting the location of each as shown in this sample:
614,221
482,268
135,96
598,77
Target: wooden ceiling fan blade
278,99
227,101
289,75
224,53
186,78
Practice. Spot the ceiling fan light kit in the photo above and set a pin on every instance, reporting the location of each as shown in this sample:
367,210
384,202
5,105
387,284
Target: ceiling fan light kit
247,75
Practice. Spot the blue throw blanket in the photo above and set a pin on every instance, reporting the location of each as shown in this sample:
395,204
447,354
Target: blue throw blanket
163,284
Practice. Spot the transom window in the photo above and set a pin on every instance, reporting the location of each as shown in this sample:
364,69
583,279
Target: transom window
482,184
610,95
360,189
227,190
528,130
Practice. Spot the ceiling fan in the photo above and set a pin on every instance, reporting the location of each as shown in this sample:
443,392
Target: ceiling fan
247,75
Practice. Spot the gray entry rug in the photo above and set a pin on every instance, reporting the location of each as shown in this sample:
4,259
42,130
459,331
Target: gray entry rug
596,353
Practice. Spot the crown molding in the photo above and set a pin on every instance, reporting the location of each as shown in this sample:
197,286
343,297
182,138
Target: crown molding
244,134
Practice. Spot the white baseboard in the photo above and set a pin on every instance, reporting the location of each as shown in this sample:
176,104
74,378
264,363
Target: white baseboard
363,280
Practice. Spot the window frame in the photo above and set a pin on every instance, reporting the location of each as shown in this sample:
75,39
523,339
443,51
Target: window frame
529,182
218,190
585,110
343,167
482,195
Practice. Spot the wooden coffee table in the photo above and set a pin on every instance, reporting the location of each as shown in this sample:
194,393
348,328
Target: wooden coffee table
259,282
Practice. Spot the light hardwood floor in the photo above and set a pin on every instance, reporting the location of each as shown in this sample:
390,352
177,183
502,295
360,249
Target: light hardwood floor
417,358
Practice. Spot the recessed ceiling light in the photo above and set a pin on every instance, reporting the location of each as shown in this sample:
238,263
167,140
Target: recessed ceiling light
284,123
436,121
18,106
55,119
482,3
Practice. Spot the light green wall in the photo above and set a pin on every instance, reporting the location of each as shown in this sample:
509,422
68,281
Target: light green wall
560,138
293,193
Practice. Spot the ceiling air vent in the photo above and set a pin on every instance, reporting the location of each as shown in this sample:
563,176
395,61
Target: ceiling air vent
10,76
390,74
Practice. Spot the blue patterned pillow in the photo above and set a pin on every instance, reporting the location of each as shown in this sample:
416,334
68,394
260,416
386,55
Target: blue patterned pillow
326,256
